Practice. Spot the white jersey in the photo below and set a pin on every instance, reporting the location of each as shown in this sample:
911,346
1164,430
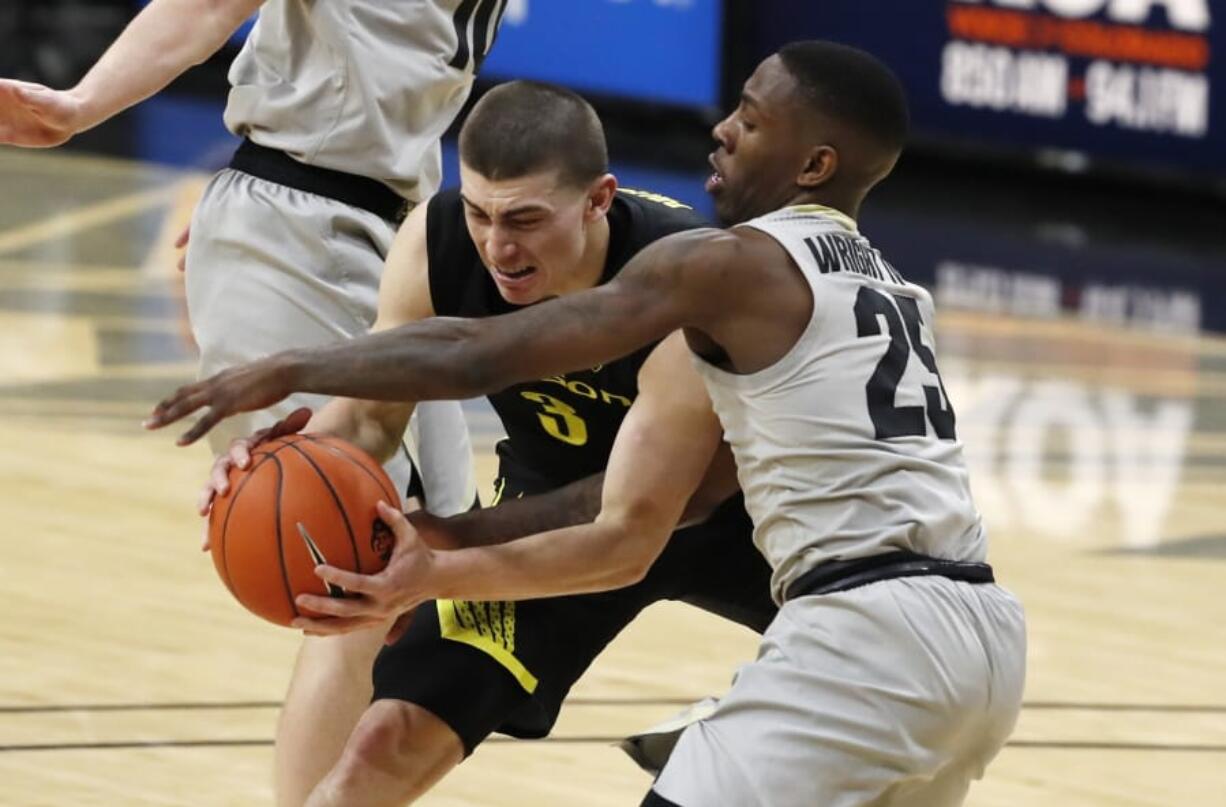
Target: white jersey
362,86
845,447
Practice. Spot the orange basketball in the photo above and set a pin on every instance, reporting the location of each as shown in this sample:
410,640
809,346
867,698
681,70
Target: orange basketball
305,499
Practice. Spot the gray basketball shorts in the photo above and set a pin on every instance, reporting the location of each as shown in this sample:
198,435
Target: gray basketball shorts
271,268
897,693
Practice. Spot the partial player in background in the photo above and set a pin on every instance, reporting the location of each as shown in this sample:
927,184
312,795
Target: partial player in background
537,216
894,671
341,104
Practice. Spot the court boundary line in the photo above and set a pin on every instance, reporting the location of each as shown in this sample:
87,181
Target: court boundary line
127,745
1085,706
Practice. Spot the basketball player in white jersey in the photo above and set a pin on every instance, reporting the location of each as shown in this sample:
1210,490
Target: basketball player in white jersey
894,670
341,104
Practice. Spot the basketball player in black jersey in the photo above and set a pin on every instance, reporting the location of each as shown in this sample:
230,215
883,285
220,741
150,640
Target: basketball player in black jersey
537,216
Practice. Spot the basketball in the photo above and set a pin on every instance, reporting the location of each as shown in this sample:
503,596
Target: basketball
304,500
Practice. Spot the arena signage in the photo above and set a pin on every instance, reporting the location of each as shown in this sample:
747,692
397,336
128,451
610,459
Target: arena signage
1132,83
1117,63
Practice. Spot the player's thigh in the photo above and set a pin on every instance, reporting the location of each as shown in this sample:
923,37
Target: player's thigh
270,268
349,656
877,693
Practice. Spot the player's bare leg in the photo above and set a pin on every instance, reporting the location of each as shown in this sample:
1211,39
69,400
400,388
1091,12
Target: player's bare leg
329,689
397,752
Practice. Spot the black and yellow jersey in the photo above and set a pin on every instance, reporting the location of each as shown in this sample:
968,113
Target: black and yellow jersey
562,428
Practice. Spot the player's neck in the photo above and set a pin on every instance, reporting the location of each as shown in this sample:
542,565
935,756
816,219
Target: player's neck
591,266
847,204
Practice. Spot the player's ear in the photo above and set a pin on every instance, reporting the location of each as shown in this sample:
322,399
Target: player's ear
600,197
820,167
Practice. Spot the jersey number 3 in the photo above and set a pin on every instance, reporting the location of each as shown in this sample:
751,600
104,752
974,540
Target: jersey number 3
559,419
882,388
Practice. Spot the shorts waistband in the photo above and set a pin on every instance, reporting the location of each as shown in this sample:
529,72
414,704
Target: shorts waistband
842,575
356,191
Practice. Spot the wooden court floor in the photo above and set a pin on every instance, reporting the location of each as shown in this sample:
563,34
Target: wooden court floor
128,677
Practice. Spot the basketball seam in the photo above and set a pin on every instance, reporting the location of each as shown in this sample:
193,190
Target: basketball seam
393,497
225,526
289,591
340,506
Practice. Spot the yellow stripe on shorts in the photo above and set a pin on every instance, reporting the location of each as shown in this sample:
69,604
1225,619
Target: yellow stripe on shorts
489,627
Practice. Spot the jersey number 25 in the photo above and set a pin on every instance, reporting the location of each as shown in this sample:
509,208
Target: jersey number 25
882,388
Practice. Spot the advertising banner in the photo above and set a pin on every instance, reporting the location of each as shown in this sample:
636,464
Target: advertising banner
1138,83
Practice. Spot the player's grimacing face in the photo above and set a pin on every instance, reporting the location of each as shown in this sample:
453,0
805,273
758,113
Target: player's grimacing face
762,147
529,231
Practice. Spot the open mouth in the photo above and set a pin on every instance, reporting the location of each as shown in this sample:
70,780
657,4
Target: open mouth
514,274
716,180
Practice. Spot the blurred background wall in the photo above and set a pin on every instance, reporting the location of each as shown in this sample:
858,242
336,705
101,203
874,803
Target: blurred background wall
1045,131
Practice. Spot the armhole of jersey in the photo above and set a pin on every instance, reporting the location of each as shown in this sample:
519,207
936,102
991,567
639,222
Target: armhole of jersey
444,279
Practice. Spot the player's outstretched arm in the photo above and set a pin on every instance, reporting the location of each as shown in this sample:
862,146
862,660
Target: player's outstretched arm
663,451
684,280
161,42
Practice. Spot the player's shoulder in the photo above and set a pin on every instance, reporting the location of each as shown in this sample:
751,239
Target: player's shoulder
446,204
446,230
702,256
451,256
735,260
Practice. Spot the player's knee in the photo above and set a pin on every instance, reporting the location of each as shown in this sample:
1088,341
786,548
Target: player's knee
399,740
383,739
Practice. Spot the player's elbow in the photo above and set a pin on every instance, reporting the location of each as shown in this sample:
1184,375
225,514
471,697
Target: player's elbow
217,20
229,11
629,568
637,538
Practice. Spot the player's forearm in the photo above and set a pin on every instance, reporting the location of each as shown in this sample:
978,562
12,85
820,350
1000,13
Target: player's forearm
375,428
572,505
161,42
435,359
576,560
445,358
